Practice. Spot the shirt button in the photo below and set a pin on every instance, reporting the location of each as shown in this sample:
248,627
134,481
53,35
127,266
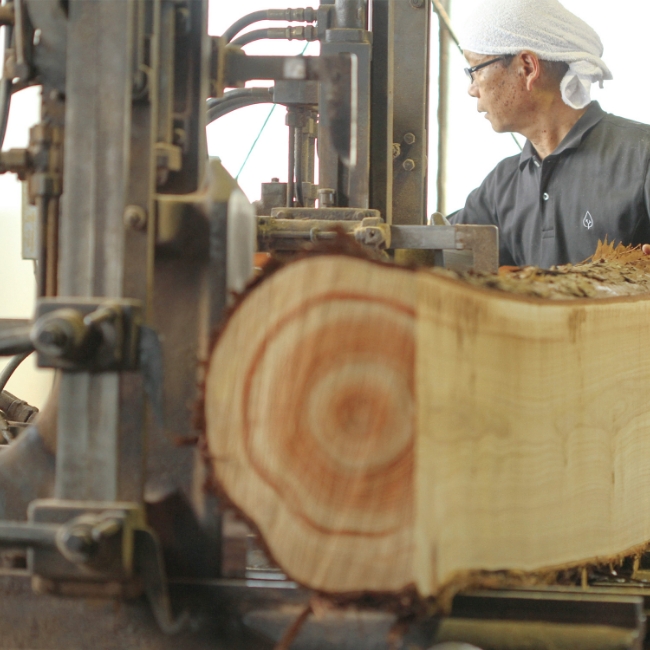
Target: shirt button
545,196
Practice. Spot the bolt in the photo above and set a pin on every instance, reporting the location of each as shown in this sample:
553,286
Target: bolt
180,137
52,337
417,4
135,217
76,543
397,150
106,528
409,165
409,138
275,180
326,197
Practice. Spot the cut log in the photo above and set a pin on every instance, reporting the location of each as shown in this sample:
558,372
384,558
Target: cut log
311,415
384,427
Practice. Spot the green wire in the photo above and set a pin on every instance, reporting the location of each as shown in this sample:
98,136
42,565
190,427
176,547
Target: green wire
259,135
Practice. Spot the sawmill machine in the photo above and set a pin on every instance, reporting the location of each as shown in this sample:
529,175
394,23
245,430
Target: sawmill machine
111,535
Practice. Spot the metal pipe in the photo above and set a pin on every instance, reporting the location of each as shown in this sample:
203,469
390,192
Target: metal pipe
7,16
21,67
307,15
280,33
20,533
41,202
219,110
299,139
16,409
52,247
243,22
241,93
443,114
5,91
292,157
309,157
352,14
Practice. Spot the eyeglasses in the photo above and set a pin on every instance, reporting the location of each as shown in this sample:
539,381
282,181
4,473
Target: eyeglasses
470,71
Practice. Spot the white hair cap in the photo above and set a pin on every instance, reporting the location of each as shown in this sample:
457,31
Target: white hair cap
549,30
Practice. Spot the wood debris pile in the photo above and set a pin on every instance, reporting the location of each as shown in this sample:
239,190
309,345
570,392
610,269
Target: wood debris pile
613,271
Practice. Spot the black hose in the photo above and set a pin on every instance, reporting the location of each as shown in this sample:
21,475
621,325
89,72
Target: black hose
5,92
241,93
249,37
10,368
220,110
245,21
15,340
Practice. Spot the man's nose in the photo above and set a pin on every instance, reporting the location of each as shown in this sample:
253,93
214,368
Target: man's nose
472,89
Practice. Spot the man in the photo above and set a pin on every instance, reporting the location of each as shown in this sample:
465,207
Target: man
583,174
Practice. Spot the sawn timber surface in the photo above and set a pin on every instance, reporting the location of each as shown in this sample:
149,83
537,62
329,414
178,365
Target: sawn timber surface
384,427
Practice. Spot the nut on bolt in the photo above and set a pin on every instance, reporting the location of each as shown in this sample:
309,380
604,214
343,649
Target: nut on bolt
135,217
76,543
326,197
409,138
417,4
59,334
408,165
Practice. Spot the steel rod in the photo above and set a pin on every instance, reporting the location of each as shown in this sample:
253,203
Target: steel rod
443,115
292,161
19,533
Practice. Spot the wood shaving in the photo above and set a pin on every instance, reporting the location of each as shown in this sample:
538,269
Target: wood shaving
613,271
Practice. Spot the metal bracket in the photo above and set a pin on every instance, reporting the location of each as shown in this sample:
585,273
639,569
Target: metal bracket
325,214
369,229
150,566
95,544
93,541
87,334
481,241
374,233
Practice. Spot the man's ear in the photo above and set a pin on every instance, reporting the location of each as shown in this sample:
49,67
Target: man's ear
531,67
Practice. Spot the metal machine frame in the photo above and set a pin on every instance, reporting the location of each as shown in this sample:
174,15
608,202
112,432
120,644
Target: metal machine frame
136,265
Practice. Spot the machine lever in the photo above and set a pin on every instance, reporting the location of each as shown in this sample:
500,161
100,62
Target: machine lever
149,564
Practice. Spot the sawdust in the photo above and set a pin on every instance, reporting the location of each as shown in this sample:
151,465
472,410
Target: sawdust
613,271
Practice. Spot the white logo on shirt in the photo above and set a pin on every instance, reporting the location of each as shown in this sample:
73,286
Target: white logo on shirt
588,221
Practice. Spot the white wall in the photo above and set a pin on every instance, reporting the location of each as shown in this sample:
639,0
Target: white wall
17,280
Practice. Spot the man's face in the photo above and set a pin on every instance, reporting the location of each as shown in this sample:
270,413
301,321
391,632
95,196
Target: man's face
499,91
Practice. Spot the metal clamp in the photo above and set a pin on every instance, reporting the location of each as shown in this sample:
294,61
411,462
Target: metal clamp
373,232
481,241
95,543
87,335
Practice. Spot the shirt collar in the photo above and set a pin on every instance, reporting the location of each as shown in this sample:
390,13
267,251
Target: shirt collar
574,137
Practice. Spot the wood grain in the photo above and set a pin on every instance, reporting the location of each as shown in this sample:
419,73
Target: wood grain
534,430
385,427
311,423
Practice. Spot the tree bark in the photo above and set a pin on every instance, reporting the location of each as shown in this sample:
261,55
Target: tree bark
385,427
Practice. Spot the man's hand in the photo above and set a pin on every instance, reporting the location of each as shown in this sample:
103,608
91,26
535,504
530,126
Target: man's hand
646,249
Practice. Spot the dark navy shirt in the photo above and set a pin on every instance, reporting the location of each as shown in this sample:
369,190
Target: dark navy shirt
595,184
